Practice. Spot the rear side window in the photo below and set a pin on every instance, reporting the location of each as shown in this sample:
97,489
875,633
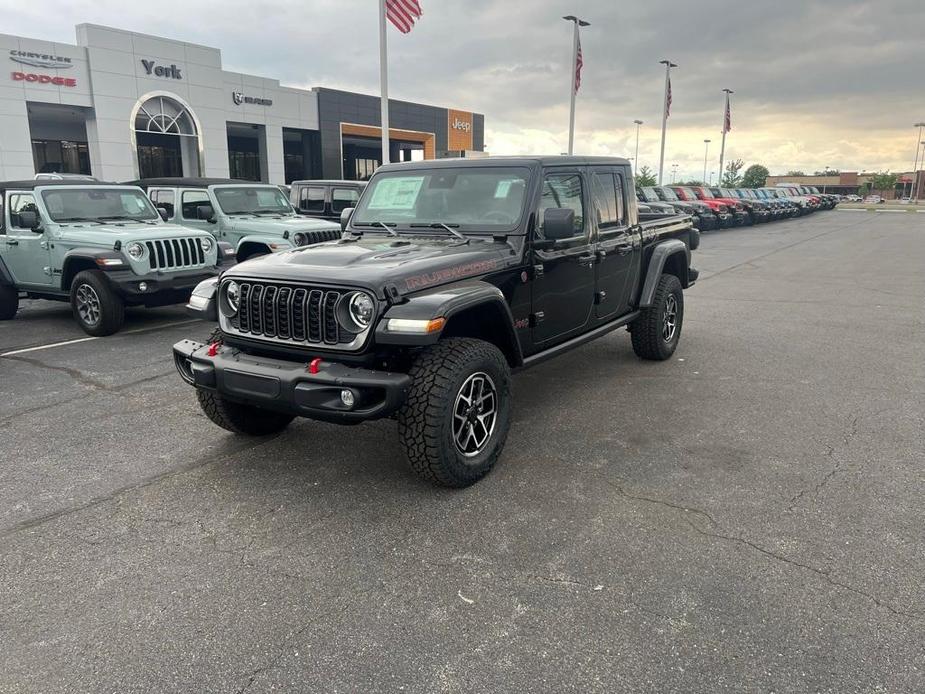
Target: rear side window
191,200
342,198
311,199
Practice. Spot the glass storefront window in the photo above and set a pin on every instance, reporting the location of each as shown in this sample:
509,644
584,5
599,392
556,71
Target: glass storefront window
61,156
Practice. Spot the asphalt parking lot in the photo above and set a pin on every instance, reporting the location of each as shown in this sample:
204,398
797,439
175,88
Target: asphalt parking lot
746,517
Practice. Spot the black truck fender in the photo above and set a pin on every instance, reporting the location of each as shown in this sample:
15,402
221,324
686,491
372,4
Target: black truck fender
469,309
78,259
672,253
6,278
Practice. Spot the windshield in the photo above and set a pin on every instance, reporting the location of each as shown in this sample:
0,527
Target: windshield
72,204
253,200
649,194
467,198
665,194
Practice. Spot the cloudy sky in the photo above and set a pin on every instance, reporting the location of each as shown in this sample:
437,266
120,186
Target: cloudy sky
817,83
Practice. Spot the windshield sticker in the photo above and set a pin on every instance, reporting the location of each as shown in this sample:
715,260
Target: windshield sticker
396,193
502,189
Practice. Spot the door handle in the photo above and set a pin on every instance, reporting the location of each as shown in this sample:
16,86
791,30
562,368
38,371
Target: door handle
586,259
12,242
624,248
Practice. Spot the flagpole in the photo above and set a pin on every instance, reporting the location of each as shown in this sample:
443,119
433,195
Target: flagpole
722,147
384,82
574,81
661,158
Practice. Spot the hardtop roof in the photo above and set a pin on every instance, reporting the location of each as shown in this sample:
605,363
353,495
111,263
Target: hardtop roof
184,182
32,184
536,160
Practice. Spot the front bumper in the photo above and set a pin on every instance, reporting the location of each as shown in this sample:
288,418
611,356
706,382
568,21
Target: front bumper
160,289
287,386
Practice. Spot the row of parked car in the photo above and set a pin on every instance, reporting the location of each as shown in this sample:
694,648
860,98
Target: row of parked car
721,208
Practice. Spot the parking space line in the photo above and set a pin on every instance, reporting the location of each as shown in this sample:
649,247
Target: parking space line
52,345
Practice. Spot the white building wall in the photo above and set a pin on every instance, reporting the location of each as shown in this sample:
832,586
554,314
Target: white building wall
110,81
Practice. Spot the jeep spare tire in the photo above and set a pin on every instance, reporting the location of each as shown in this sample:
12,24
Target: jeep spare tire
456,418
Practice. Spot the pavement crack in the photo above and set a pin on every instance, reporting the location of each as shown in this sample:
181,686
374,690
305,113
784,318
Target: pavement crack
837,462
75,374
661,502
823,574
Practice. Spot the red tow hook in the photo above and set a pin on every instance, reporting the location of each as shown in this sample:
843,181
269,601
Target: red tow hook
213,349
314,365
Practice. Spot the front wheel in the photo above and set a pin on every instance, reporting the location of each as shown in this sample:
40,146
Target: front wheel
456,419
656,331
239,418
96,307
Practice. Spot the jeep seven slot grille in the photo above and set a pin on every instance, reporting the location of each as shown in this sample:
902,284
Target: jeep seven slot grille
296,314
175,254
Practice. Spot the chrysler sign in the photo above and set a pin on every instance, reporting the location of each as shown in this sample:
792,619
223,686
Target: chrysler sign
40,60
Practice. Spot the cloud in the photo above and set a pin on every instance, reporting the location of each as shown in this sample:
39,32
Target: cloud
817,82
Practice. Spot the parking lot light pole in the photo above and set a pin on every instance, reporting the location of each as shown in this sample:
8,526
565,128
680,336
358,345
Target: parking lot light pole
826,174
706,149
674,171
574,81
665,106
914,193
636,158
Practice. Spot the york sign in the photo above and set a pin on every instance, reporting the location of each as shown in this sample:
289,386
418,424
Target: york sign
152,68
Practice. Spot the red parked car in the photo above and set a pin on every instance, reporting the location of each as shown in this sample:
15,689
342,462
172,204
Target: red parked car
720,208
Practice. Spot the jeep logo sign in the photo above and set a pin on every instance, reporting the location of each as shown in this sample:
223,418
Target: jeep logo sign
172,72
462,125
239,98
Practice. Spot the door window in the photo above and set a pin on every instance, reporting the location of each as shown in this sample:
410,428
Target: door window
21,202
311,199
191,200
342,198
165,199
563,191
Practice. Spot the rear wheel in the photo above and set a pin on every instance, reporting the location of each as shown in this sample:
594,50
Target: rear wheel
9,302
96,307
455,421
656,331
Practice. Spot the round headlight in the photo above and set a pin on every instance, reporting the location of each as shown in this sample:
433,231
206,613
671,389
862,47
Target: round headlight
361,309
135,250
299,239
206,243
232,294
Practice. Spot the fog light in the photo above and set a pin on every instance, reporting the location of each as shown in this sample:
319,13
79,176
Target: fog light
142,286
346,397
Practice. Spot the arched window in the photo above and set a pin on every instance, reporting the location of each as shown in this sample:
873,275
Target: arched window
163,115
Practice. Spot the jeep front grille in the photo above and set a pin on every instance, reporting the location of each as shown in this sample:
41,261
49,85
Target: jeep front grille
175,254
288,313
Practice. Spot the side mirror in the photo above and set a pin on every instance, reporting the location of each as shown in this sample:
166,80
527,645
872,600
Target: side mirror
345,215
162,211
205,213
29,219
558,223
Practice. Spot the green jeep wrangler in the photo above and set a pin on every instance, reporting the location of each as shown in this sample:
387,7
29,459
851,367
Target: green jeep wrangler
255,218
101,246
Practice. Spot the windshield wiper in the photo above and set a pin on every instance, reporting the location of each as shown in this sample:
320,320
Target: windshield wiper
384,225
77,219
441,225
121,218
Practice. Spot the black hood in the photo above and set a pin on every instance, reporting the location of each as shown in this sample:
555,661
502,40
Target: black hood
410,263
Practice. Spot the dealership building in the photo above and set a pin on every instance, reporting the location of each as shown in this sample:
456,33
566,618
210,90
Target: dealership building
120,105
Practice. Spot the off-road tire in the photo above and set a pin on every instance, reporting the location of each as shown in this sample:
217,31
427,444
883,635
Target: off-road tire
111,306
239,418
647,330
9,302
425,422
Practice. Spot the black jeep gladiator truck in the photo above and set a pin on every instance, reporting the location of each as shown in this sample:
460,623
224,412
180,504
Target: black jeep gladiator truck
449,275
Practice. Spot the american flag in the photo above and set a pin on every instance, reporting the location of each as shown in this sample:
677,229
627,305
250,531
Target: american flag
668,100
403,13
727,118
579,63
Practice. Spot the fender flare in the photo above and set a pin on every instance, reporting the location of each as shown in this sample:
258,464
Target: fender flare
91,254
6,278
447,302
660,254
264,240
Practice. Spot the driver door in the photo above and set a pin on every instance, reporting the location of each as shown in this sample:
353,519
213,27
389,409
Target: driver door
27,255
563,284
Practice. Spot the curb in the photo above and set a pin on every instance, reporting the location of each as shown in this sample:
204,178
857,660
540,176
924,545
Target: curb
874,209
